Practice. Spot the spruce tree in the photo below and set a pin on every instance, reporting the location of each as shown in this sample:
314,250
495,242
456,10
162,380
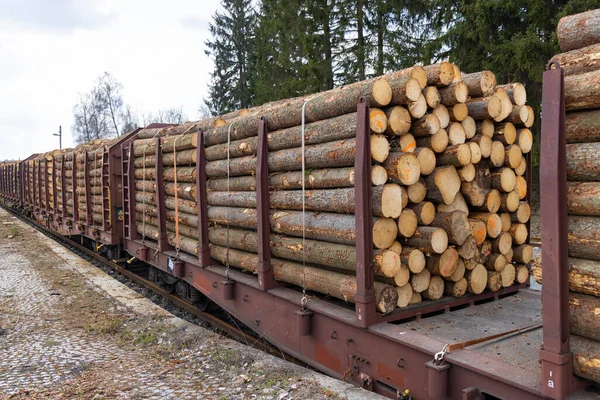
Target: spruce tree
232,48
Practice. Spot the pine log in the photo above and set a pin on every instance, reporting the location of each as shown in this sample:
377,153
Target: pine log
405,294
582,92
443,115
457,74
425,126
579,61
377,121
484,108
402,277
475,192
458,273
418,108
428,238
456,134
508,275
458,112
407,223
586,357
485,127
521,187
497,154
583,163
432,96
493,202
467,173
470,127
492,222
495,262
583,126
326,282
523,253
435,291
502,244
522,214
480,84
506,221
583,198
469,249
531,119
516,92
505,132
457,92
509,202
425,212
476,279
405,144
404,89
413,258
458,203
417,191
319,107
438,142
443,184
485,144
584,319
396,247
398,121
416,298
426,158
455,223
507,106
385,232
584,237
513,156
456,155
519,234
494,282
504,179
403,168
475,152
584,275
579,30
420,281
444,264
456,289
441,74
525,140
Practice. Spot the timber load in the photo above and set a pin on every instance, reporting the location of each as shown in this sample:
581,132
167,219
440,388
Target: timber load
579,39
448,189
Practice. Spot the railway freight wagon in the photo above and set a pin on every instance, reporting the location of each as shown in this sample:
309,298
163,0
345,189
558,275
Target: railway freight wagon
10,183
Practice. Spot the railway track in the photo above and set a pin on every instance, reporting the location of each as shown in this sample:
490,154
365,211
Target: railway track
225,328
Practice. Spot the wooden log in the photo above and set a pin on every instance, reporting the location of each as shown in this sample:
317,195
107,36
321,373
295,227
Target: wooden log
484,108
495,262
513,156
321,106
516,92
504,179
586,357
485,144
523,253
582,92
426,158
402,277
413,258
396,247
522,214
319,280
398,121
438,142
502,244
457,92
467,173
455,223
407,223
493,202
404,89
385,232
403,168
418,108
456,134
494,282
578,30
417,191
475,192
475,152
583,163
509,202
584,275
458,203
443,265
405,144
584,237
420,282
457,74
485,127
583,126
584,315
456,289
425,212
470,127
521,187
441,74
492,222
377,121
429,238
443,115
458,112
583,198
435,290
443,184
458,273
508,275
480,84
405,294
579,61
432,96
525,140
469,249
498,154
505,132
506,221
519,234
507,106
477,279
416,298
456,155
425,126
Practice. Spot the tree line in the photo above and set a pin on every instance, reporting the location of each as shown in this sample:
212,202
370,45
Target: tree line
270,49
101,113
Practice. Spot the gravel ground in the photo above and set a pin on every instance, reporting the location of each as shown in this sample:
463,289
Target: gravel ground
63,337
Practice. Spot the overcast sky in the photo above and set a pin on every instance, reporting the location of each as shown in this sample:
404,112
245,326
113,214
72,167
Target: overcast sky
51,50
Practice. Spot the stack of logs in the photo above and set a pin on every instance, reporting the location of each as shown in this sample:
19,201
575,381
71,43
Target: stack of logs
93,151
581,67
448,186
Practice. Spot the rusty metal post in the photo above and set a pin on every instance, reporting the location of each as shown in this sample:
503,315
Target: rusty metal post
203,247
163,244
266,280
557,365
46,187
75,196
133,232
88,198
366,312
63,187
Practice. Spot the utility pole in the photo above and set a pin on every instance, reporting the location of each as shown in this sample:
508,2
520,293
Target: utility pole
59,134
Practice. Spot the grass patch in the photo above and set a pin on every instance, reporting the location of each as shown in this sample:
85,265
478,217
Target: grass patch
105,326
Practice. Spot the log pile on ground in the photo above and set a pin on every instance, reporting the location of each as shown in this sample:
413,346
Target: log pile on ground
582,102
449,190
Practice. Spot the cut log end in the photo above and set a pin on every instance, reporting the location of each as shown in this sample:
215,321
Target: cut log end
407,223
384,233
380,147
477,279
381,93
377,120
405,295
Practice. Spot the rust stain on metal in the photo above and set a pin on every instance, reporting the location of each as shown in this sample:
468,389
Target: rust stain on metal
326,358
394,376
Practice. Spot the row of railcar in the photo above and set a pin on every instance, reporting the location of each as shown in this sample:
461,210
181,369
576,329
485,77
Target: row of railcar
90,192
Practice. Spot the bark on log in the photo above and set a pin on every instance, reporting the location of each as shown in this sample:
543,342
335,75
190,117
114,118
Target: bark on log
457,155
485,127
586,357
458,203
583,198
425,212
475,192
504,179
494,282
429,239
413,258
484,108
441,74
456,289
456,224
516,92
583,163
405,89
584,237
435,291
584,315
502,244
437,142
579,61
457,92
493,202
509,202
584,275
403,168
425,126
480,84
583,126
443,184
582,92
579,30
444,264
334,284
469,249
495,262
320,106
506,133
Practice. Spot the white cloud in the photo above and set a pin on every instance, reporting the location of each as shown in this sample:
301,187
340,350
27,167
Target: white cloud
49,54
